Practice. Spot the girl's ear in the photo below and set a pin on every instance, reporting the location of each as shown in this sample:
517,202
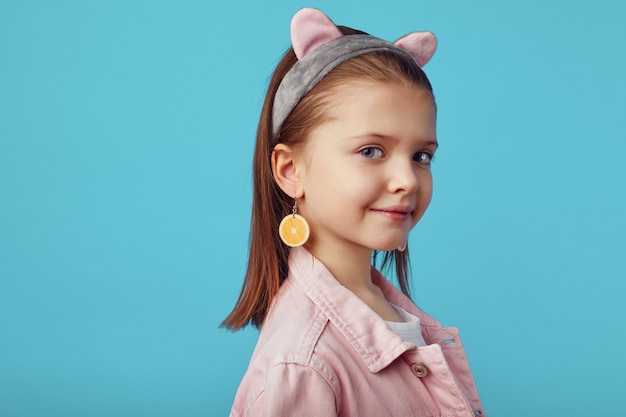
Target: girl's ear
286,171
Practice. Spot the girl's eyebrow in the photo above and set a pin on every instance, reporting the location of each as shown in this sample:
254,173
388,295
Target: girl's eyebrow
426,142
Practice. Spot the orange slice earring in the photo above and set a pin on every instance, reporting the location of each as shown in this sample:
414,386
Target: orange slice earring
294,229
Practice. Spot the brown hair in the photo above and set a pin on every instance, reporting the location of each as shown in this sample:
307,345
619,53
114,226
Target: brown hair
267,259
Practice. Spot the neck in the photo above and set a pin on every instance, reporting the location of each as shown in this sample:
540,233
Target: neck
350,265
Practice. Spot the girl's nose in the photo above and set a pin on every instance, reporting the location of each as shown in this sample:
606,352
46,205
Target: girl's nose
403,177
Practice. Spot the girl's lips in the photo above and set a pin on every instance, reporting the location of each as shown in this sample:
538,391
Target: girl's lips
395,213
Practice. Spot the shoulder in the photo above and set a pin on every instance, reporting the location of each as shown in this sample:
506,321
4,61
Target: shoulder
290,387
292,326
284,362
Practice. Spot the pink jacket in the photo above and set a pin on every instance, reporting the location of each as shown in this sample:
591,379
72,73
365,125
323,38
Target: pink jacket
323,352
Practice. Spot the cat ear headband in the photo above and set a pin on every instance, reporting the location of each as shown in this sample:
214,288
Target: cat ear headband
320,47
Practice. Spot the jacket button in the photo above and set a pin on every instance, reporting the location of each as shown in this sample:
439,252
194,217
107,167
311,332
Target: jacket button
419,369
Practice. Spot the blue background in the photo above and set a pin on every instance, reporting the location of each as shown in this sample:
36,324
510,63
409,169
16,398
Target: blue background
126,136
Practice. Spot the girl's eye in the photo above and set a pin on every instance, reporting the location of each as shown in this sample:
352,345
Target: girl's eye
371,152
423,158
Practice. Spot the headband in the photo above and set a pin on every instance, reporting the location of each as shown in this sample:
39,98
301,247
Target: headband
320,46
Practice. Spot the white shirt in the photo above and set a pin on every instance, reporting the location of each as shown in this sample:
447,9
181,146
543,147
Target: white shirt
409,329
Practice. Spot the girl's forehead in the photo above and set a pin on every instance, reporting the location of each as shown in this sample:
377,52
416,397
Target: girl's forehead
374,95
370,108
343,93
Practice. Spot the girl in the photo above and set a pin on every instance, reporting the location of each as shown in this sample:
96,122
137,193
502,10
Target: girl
343,153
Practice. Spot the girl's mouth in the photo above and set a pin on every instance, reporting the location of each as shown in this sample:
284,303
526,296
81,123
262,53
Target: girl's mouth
399,213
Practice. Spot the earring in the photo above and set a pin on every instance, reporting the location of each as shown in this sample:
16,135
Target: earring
294,229
402,247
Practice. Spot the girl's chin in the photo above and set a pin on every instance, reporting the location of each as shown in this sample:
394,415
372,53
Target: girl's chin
389,248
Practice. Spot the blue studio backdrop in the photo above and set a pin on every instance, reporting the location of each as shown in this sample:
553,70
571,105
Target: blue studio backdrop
126,138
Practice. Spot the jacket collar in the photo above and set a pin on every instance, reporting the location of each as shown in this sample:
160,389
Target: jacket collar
365,330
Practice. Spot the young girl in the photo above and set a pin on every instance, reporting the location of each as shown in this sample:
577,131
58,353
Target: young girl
342,172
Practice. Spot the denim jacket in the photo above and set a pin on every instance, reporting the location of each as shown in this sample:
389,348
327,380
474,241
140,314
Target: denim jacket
323,352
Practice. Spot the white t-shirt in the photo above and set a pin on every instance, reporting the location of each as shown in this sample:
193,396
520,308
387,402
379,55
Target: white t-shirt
409,329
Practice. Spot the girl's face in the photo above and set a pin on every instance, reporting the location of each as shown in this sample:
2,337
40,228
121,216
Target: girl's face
365,172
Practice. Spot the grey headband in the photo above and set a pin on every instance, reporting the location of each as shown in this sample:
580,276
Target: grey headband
310,69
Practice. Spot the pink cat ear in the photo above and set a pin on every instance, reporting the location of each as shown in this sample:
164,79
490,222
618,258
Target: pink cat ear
421,46
311,28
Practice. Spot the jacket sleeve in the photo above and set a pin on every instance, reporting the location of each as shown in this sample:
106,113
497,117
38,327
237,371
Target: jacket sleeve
295,390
